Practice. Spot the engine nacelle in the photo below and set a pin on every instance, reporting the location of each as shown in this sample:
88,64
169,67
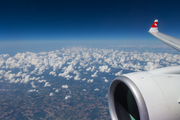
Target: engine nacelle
150,95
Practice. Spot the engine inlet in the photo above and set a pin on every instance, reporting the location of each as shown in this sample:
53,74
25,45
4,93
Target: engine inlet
125,101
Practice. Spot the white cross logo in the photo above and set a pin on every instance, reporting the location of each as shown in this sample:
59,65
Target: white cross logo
155,24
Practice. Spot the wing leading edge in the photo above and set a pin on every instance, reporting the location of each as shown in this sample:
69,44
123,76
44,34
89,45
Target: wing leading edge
169,40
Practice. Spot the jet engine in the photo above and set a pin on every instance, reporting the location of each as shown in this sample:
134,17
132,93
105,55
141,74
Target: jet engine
148,95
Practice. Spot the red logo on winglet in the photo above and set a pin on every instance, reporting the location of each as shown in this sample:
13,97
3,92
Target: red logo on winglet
155,24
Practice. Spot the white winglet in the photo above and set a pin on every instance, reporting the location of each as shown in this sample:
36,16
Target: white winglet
169,40
154,27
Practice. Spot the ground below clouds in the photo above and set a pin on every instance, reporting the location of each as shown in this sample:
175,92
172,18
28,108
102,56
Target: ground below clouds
71,83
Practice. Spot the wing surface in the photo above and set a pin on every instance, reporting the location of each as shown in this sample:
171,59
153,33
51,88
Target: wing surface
169,40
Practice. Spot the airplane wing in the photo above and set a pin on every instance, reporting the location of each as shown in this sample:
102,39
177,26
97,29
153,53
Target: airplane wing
169,40
147,95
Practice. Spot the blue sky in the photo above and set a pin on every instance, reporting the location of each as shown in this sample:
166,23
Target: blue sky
59,20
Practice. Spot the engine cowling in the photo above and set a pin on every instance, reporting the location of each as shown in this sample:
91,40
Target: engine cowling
150,95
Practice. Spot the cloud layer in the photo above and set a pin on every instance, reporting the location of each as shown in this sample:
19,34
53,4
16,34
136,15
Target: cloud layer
77,62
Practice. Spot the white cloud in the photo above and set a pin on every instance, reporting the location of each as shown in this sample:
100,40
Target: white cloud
97,89
67,97
25,79
65,86
88,69
33,90
2,72
90,80
40,81
151,66
95,74
66,72
33,86
67,76
77,77
119,73
51,94
104,69
105,80
57,90
52,73
108,70
47,84
9,76
93,68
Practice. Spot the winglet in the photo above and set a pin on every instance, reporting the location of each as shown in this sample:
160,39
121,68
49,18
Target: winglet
154,27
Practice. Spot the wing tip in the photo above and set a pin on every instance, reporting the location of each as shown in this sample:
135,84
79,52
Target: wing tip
154,27
156,20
